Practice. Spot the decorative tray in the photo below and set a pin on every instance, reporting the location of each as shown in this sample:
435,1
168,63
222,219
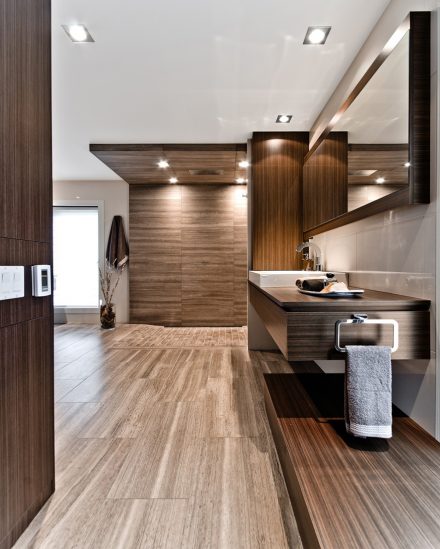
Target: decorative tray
350,293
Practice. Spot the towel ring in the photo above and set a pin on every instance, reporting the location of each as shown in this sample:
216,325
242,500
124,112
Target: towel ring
360,318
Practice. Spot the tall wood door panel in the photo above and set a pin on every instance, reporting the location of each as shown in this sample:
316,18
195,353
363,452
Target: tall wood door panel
277,166
26,324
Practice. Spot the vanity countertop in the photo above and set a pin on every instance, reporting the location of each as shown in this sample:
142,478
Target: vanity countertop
290,299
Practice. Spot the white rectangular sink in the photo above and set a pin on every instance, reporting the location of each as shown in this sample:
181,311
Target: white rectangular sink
278,279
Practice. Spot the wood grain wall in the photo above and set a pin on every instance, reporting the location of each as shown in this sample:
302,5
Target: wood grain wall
277,226
188,255
326,180
26,325
420,106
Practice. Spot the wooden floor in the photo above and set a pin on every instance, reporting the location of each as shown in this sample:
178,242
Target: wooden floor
162,441
348,492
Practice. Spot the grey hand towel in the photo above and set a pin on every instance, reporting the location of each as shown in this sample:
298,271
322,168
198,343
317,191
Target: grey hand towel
368,406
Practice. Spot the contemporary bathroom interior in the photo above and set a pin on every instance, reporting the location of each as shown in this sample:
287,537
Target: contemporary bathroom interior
219,274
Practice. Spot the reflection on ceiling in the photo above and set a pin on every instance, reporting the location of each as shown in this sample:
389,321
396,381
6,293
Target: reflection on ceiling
380,113
187,164
369,163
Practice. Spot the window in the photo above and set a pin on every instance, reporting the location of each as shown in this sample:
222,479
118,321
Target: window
76,256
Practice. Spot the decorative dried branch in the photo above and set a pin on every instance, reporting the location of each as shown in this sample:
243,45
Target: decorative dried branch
109,278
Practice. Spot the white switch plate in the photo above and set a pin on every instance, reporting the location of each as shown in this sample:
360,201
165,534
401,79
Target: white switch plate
11,282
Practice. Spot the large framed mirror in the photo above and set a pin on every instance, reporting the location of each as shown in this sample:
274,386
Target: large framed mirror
374,154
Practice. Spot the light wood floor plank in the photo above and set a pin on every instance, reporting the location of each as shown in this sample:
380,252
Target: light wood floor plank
162,442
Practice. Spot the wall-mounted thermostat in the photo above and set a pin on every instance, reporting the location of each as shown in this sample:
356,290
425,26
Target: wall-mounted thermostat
41,280
11,282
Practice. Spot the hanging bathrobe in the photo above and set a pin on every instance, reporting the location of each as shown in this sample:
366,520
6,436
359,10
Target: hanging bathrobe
117,246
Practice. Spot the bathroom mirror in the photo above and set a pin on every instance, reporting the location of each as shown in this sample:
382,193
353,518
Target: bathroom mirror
377,132
374,155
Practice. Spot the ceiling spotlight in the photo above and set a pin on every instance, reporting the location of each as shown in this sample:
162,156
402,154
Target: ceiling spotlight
380,180
316,36
240,180
407,164
163,164
284,119
78,33
243,164
174,180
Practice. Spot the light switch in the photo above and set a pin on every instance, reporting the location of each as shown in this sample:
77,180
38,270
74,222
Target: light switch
17,282
11,282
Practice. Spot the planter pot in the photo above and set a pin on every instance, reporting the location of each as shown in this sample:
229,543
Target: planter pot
108,317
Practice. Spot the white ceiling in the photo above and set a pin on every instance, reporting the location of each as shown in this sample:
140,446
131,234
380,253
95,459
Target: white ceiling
193,71
380,113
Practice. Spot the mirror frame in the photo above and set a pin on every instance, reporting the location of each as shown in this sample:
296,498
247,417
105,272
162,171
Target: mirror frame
419,112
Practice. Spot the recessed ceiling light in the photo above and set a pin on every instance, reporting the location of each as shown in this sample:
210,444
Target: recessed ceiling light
163,164
316,36
243,164
407,164
174,180
78,33
380,180
284,119
240,180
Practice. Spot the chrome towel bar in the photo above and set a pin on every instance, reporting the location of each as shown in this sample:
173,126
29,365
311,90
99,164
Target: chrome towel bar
363,319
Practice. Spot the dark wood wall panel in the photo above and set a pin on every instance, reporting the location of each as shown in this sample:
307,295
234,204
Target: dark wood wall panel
26,324
188,255
26,424
25,119
326,181
420,106
277,166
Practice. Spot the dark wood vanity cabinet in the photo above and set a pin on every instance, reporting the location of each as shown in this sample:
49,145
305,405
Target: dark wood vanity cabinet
303,327
27,471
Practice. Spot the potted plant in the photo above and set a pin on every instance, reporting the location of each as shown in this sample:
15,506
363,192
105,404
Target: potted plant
109,278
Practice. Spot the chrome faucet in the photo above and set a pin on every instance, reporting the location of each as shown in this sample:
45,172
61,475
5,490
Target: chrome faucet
316,254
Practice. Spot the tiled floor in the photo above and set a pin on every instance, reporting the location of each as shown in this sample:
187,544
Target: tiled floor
162,441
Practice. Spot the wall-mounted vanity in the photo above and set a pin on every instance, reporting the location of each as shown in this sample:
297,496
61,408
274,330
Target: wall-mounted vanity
303,326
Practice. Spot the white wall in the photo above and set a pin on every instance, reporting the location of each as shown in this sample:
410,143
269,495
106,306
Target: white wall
114,194
396,251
